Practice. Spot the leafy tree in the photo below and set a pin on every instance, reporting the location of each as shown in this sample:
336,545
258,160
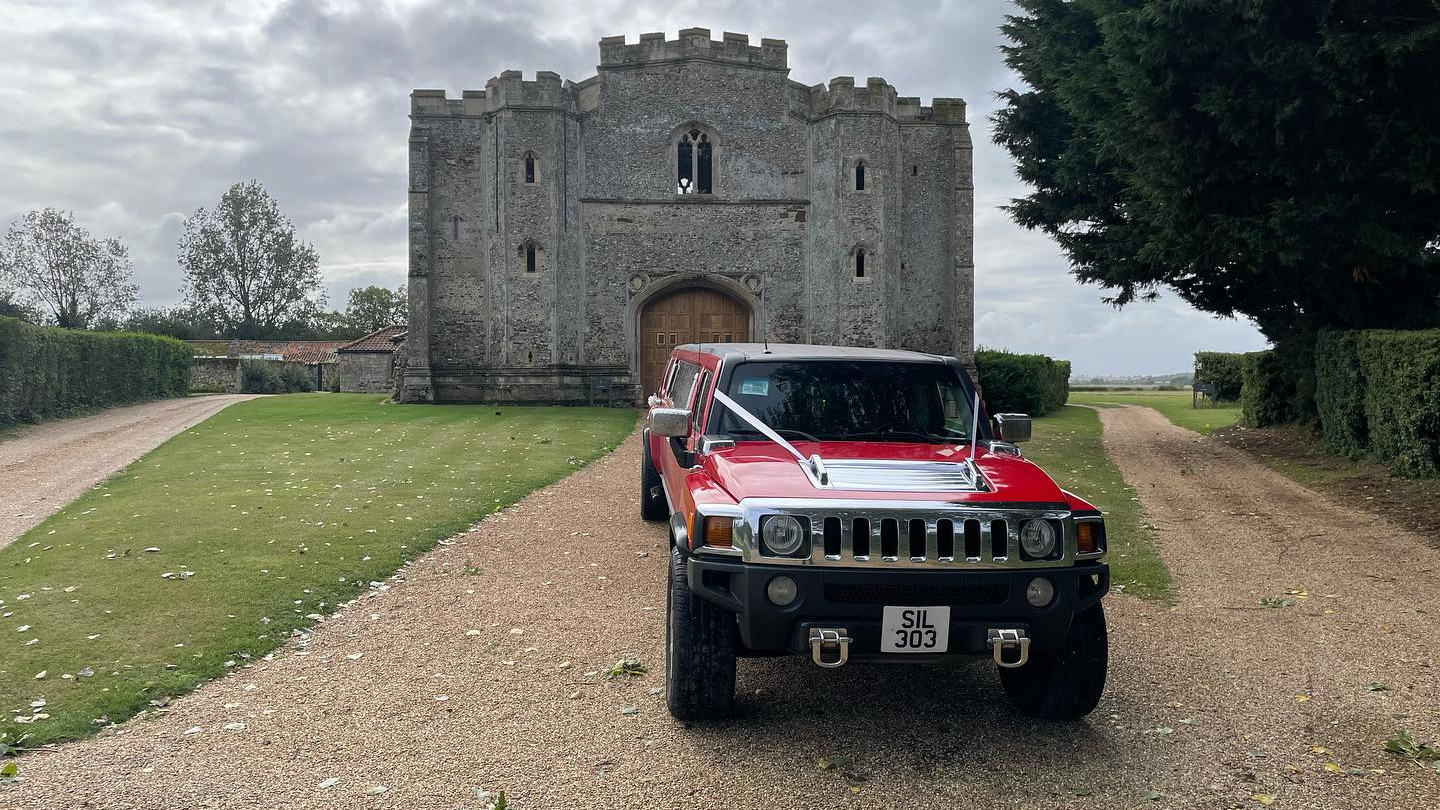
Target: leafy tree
177,322
372,308
1274,160
11,306
76,278
245,266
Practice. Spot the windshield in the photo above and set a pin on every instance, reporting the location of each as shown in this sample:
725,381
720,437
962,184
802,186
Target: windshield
851,401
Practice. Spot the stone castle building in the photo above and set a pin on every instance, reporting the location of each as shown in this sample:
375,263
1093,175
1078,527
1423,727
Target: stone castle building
564,235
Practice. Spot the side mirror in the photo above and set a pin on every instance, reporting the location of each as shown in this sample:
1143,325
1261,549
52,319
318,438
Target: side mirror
670,422
1013,427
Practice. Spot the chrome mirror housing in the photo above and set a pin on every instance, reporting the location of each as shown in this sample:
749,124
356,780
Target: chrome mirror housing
1013,427
670,422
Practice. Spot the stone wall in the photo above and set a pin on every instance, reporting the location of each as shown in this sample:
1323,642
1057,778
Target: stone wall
366,372
780,232
211,372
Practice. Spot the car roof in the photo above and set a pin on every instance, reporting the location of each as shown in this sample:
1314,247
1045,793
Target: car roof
735,352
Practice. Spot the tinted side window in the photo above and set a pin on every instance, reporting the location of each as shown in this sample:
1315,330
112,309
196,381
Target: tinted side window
683,383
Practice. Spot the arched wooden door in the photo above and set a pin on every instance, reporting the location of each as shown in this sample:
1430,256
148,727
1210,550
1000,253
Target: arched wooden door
687,315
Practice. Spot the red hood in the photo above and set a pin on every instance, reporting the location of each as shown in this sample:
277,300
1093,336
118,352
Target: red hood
762,469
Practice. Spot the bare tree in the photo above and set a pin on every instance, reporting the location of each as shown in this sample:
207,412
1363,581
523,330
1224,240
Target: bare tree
60,267
245,267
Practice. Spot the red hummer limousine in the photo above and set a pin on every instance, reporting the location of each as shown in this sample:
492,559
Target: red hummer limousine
855,504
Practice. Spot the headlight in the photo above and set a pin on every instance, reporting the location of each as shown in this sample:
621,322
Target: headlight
1037,539
782,535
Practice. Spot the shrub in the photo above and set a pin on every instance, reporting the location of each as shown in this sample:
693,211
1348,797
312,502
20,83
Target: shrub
1401,372
1340,393
294,378
1224,370
207,389
1023,383
46,371
1267,390
260,377
333,384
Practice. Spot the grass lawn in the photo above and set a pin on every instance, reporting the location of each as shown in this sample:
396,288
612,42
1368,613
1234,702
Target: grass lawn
1175,405
208,551
1067,444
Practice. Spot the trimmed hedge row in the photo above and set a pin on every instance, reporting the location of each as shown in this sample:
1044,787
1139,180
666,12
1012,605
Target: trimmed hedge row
1266,392
1378,392
1022,383
46,371
1224,370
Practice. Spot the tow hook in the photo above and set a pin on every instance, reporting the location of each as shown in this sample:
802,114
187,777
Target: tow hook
826,639
1003,640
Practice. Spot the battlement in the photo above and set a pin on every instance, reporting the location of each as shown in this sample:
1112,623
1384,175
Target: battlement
879,96
509,89
694,43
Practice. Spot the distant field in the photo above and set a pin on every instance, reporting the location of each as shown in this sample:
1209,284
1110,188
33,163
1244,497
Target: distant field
1067,445
1175,405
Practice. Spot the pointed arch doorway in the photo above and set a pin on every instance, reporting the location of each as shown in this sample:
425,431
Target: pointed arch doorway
687,315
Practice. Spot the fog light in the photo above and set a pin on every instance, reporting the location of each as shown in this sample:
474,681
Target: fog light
1040,592
782,590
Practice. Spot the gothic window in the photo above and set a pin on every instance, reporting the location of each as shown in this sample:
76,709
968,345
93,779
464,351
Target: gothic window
859,175
529,257
694,162
530,173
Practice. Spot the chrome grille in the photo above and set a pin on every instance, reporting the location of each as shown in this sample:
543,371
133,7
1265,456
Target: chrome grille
897,534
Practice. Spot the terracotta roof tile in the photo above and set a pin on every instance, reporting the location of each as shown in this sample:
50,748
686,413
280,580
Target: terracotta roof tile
381,340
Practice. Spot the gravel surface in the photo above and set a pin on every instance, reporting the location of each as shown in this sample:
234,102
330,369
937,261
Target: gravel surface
449,681
49,465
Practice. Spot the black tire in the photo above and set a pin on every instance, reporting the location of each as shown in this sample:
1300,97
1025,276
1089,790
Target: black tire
699,651
1066,684
652,493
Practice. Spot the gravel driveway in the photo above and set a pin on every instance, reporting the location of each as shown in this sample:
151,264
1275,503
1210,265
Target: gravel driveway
451,680
49,465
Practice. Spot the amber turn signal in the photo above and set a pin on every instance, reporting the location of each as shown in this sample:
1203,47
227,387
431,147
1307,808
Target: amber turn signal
718,531
1087,537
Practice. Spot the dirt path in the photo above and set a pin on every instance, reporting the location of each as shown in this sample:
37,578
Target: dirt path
47,466
1201,708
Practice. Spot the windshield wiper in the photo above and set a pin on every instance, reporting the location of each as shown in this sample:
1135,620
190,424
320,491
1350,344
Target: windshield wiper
782,431
928,438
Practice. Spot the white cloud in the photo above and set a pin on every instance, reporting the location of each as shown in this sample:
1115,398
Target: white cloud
134,114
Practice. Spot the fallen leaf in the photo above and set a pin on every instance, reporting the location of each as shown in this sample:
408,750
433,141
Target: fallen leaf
328,783
1266,799
1331,767
1302,698
375,790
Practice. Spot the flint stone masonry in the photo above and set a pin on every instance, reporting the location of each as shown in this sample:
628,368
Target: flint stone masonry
779,232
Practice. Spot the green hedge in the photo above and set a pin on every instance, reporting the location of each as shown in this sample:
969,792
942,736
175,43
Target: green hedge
1267,390
1022,383
1378,392
273,377
1224,370
1340,393
46,372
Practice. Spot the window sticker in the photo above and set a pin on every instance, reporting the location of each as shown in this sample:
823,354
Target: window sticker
756,386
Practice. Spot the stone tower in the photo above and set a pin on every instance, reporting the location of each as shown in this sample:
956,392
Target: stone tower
564,235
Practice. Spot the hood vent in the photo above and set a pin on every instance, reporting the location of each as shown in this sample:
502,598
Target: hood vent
897,476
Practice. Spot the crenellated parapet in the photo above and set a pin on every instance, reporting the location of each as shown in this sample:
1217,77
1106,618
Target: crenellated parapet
509,89
694,43
878,97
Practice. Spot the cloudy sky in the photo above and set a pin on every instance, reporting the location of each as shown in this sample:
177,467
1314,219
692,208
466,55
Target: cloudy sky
134,114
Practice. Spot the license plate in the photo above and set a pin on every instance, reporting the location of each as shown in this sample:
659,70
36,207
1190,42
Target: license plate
915,629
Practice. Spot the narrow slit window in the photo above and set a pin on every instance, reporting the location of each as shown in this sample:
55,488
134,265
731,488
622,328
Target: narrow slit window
914,170
859,262
455,227
702,164
860,176
529,168
531,264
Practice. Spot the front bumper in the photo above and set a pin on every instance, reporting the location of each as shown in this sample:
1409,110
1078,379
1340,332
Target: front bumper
855,599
